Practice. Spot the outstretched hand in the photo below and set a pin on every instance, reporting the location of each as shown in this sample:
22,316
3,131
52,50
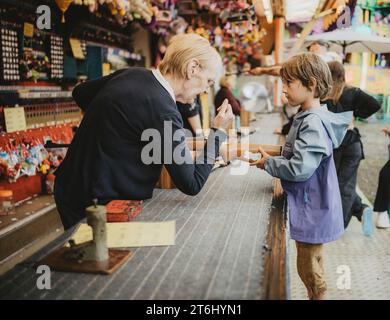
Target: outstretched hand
272,71
278,131
386,130
261,162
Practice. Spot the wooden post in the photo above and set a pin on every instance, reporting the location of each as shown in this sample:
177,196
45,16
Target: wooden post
244,118
309,26
279,11
204,100
279,36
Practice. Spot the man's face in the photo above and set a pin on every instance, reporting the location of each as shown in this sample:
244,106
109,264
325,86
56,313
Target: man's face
317,48
295,92
200,81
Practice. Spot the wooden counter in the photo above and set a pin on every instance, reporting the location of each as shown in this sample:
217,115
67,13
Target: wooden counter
223,246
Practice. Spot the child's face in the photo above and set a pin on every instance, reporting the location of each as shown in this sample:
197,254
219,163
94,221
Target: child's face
296,93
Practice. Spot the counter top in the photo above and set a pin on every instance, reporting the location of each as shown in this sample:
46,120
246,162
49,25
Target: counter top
218,253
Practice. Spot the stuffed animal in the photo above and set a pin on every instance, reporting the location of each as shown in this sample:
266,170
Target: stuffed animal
179,26
45,167
142,8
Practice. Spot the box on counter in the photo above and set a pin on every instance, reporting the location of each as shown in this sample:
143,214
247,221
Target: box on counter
123,210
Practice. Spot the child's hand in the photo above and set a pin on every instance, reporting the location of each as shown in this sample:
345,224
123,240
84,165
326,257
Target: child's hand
261,162
278,131
386,130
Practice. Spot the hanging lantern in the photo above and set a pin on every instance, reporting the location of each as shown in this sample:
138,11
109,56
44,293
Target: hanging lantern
63,5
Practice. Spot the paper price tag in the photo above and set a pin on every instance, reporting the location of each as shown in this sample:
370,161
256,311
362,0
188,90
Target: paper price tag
76,48
15,119
28,30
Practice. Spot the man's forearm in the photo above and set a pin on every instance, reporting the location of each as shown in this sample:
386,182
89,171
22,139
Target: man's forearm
272,71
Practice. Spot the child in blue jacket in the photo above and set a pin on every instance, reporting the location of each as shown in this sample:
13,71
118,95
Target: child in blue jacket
306,167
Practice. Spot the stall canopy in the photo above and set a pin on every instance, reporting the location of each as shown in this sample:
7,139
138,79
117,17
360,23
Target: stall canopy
349,40
300,10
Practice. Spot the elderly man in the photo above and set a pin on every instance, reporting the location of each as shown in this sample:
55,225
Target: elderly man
106,159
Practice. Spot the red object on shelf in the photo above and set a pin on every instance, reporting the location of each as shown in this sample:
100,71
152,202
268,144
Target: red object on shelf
25,187
123,210
63,133
36,84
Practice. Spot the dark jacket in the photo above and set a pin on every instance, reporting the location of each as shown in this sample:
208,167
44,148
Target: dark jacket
225,93
354,99
104,160
362,104
188,111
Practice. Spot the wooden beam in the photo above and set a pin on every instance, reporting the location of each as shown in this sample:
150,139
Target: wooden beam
279,8
275,281
308,27
337,6
325,13
231,151
279,22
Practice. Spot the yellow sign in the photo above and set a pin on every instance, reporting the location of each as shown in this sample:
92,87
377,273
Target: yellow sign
106,69
132,234
63,5
76,48
28,30
15,119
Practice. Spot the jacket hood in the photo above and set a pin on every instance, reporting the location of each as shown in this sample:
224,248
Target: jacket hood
336,124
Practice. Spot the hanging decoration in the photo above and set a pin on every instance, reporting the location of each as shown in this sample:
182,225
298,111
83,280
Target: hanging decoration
123,10
233,30
231,26
63,5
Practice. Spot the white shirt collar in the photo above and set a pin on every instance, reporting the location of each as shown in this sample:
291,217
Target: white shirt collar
160,78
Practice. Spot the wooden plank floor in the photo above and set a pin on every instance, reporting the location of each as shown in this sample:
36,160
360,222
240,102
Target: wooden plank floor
220,235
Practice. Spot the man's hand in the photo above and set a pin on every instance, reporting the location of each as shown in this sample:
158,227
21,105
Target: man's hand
256,71
224,117
261,162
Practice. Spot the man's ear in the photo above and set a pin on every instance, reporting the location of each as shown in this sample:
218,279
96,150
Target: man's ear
192,67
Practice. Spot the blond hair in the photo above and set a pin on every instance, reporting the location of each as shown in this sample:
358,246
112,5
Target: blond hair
305,67
182,49
338,75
